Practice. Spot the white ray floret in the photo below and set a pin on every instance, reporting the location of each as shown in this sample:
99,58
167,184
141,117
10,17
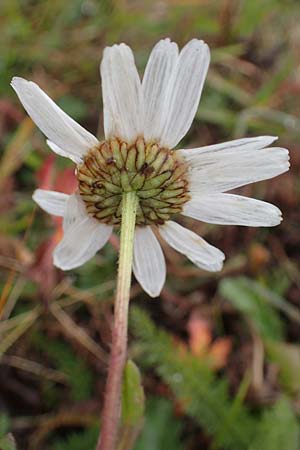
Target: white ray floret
122,94
192,246
50,201
63,131
149,265
159,69
229,209
83,236
184,91
220,168
59,151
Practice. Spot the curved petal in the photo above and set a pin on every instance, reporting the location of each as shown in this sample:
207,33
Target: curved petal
149,266
158,72
229,209
122,94
63,131
184,91
83,236
50,201
59,151
222,167
192,246
229,148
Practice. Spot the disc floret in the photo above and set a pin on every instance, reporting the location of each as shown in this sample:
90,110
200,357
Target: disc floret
157,175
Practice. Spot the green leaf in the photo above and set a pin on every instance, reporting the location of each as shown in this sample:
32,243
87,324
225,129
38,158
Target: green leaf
278,429
268,89
241,292
162,430
251,14
4,424
85,440
8,442
133,398
80,377
73,106
133,406
287,357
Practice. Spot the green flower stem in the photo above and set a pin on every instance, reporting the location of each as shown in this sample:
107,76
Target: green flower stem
112,398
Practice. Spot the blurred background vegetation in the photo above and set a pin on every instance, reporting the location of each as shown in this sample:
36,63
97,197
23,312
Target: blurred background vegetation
219,353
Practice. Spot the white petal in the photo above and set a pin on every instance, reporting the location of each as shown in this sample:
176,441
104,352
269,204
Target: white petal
122,94
50,201
219,168
184,91
192,246
229,209
237,145
83,236
157,76
149,265
63,131
61,152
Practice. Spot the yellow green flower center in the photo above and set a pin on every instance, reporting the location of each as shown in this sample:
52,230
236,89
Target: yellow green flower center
157,175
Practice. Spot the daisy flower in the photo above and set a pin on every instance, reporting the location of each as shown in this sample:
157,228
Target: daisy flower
143,123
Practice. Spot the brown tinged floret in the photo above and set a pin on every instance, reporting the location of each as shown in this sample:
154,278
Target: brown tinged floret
158,176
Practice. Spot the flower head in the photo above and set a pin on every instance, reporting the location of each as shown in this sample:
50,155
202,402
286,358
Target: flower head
143,123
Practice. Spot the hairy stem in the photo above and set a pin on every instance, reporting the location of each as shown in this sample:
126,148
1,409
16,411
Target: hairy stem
112,398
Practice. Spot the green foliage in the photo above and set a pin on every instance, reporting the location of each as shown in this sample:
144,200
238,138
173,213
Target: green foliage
133,406
92,274
258,304
84,440
79,375
4,424
203,396
287,358
274,82
161,431
247,298
133,398
7,441
253,12
73,106
206,398
278,429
